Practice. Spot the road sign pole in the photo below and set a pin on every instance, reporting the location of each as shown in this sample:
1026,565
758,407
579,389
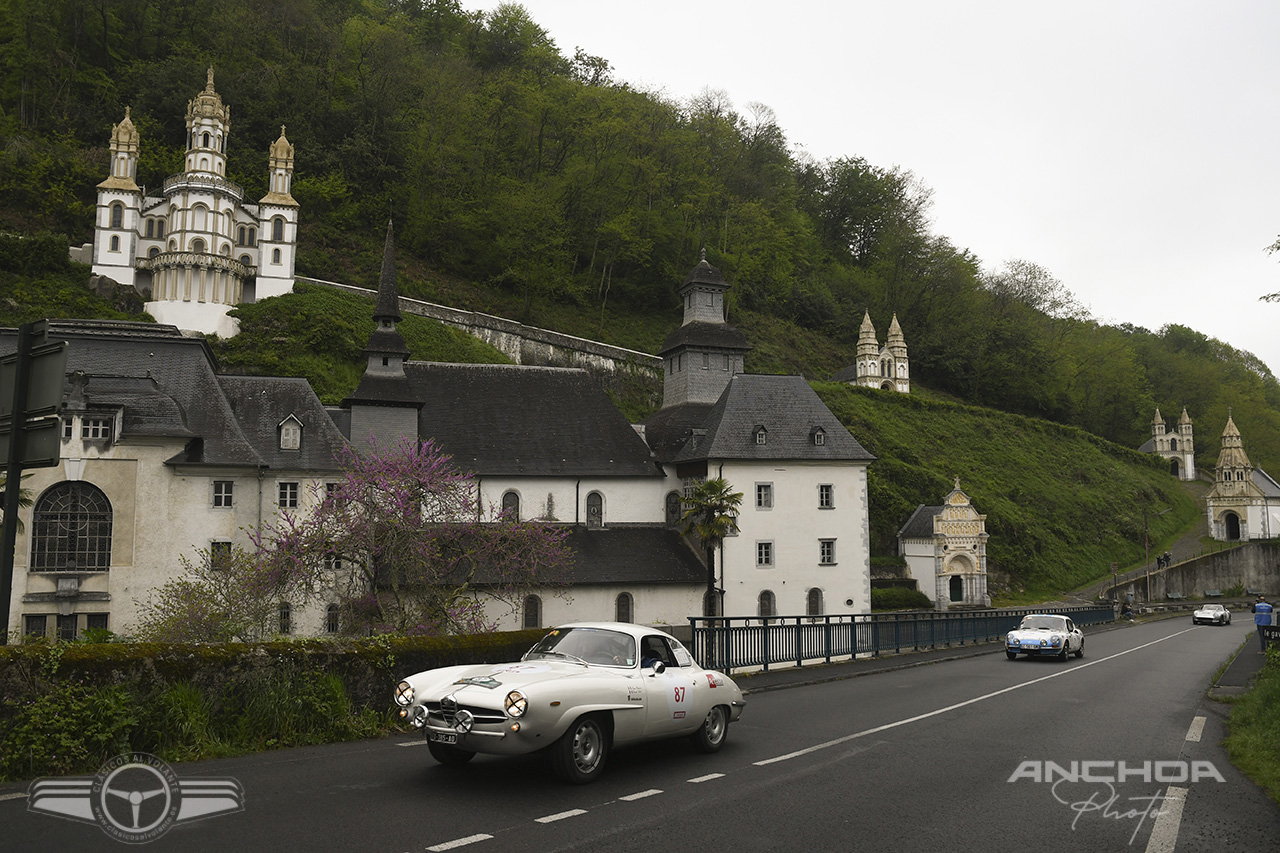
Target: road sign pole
13,476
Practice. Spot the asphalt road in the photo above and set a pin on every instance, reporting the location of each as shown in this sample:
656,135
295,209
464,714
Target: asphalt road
951,756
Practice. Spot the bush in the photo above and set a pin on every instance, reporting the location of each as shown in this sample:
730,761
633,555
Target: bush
69,729
899,598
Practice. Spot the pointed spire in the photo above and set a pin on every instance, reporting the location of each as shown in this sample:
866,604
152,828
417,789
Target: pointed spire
388,305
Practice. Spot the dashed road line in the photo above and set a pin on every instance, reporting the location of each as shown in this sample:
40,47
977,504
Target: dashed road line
695,780
640,796
413,743
458,842
1197,728
552,818
1164,833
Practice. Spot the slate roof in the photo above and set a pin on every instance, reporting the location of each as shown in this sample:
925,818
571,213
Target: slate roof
262,403
1264,481
920,524
632,555
669,428
704,336
169,387
511,420
787,408
846,374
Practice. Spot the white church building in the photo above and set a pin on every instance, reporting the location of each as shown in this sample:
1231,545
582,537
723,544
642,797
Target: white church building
1244,502
198,247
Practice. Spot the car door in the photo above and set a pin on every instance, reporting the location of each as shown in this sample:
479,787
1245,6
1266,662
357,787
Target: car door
671,697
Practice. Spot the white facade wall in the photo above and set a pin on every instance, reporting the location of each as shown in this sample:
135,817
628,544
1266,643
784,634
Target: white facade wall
795,525
652,604
637,500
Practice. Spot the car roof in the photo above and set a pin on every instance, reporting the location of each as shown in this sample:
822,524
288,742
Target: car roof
634,630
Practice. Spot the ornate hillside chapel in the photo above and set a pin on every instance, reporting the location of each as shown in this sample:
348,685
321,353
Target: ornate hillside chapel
884,367
1244,502
946,551
1178,447
198,248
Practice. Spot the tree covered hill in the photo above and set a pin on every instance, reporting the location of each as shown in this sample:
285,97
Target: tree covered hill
532,184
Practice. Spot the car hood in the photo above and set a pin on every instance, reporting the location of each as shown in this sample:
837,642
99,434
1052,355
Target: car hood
501,677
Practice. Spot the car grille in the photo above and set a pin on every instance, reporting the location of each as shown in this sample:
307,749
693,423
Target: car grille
447,710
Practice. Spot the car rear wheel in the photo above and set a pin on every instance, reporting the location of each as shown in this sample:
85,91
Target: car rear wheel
1080,651
714,730
579,755
448,755
1011,655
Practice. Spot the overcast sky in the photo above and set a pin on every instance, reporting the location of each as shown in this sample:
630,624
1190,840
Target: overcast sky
1127,147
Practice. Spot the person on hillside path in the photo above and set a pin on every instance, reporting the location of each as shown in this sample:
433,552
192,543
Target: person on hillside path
1261,618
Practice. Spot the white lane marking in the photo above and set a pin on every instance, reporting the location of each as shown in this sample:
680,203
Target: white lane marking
706,778
821,746
641,795
1197,728
552,818
18,796
1164,833
413,743
459,842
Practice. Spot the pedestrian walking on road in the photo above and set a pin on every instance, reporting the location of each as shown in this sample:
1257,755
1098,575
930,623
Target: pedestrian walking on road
1261,618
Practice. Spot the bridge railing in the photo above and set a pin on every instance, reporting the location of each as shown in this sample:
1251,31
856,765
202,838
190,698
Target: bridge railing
740,642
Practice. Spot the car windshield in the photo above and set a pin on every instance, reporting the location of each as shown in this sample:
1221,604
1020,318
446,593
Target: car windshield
1213,607
591,645
1042,623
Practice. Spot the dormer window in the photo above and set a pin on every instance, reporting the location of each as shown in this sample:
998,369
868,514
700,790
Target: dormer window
762,435
95,429
290,434
819,436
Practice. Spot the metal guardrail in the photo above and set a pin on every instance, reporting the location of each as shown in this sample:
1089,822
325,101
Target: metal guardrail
738,642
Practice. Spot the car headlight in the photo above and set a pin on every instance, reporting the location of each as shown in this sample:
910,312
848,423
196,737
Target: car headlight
404,694
516,704
1055,640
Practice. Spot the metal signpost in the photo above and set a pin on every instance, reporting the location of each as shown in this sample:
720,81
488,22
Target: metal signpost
31,386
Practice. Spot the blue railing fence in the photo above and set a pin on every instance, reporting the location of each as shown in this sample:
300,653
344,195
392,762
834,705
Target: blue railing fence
740,642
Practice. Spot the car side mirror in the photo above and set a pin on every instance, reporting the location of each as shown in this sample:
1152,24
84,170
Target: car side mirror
659,667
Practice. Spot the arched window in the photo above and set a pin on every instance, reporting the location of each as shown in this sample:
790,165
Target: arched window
197,246
813,605
246,260
277,229
200,218
623,607
204,143
673,509
240,235
511,505
766,607
275,256
253,236
71,529
286,618
117,215
155,250
151,228
115,242
159,229
532,612
1173,444
595,510
332,621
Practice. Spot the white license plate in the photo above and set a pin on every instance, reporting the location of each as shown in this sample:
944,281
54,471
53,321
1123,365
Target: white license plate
1030,644
442,737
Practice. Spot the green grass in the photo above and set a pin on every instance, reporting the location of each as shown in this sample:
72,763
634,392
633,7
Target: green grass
1254,740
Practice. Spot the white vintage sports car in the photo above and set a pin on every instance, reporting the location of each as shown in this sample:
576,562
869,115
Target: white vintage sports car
1211,614
1045,634
581,690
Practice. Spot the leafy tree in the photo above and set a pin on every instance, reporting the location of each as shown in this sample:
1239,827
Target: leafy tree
400,544
24,497
711,513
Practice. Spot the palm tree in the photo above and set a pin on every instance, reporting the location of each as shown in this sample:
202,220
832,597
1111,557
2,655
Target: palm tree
711,511
24,497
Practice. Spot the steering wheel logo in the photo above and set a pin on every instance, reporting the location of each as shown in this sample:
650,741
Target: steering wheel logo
136,798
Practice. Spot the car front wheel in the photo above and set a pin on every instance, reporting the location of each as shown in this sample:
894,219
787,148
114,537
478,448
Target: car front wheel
1080,651
714,730
1011,655
579,755
450,756
1066,649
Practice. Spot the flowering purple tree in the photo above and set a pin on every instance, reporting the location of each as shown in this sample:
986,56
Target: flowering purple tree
402,544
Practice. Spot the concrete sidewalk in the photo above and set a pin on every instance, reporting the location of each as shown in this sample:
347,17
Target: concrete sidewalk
1235,679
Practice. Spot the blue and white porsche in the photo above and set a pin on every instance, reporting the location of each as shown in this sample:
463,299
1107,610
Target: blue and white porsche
1042,634
581,690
